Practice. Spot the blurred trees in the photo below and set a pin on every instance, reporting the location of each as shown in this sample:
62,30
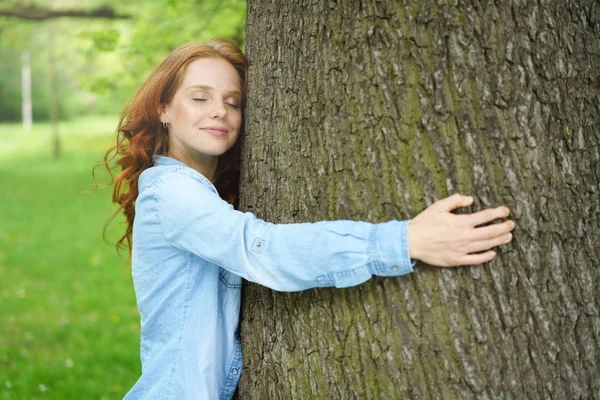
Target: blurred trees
101,62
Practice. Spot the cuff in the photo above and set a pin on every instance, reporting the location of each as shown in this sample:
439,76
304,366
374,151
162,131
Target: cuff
391,249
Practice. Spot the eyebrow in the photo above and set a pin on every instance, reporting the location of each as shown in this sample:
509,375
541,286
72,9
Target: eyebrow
210,89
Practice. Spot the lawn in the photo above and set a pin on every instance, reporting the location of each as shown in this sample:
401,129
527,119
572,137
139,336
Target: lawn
69,327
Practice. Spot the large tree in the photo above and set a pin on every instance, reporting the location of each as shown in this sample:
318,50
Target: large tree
371,110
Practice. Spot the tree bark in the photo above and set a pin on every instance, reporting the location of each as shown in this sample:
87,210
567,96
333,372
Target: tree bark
372,111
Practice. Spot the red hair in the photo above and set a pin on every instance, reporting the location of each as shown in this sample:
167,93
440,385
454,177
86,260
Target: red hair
140,134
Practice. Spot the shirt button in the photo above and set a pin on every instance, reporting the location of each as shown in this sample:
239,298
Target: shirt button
234,371
258,244
395,268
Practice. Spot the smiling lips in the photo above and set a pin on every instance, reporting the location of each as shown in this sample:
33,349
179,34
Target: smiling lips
215,130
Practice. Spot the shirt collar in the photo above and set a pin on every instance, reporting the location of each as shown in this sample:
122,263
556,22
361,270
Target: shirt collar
164,160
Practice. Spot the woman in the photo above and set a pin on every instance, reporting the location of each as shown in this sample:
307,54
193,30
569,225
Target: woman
190,248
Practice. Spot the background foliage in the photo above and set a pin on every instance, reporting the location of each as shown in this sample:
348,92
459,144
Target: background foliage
69,326
102,62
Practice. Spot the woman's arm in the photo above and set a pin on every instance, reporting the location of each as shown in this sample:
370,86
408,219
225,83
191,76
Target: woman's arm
291,257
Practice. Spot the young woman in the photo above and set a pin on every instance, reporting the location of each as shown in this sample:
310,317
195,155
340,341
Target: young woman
190,247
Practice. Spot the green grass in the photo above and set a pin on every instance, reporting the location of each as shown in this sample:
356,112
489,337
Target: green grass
69,326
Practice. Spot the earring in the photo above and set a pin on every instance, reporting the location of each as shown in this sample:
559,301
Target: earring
164,124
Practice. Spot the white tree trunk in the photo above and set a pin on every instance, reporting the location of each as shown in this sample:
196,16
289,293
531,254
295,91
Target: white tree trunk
26,91
53,95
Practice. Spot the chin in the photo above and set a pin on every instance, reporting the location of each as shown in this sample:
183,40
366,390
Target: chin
214,151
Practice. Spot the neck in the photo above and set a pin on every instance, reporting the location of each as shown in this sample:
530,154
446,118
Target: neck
205,164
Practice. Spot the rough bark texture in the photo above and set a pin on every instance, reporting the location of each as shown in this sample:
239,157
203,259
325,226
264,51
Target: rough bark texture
371,110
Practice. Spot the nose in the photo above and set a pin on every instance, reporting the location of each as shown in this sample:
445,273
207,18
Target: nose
219,111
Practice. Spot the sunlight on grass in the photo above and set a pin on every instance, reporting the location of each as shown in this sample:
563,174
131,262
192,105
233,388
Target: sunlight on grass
77,135
69,327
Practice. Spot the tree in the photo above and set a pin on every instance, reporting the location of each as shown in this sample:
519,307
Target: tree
373,110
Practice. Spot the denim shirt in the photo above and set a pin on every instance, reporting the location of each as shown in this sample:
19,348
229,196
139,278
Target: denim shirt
191,250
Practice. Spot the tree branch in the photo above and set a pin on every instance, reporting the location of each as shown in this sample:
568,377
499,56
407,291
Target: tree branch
41,13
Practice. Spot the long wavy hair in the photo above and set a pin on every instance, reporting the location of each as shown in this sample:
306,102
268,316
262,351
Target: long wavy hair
141,136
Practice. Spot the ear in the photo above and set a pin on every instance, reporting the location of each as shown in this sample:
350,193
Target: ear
162,113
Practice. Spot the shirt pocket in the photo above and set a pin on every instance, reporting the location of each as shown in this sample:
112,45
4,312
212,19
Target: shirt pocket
229,279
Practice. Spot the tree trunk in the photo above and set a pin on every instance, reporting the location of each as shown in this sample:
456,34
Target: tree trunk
26,90
373,110
53,97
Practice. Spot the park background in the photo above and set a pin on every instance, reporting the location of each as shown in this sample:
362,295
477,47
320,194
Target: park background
69,325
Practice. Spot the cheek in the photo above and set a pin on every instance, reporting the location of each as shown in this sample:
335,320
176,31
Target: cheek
182,112
236,121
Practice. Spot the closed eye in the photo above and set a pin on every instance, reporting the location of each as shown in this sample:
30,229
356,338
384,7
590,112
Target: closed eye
233,105
199,99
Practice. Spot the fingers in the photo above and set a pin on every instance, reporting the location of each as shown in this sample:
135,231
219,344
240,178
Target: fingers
482,245
492,231
474,259
487,215
490,236
452,202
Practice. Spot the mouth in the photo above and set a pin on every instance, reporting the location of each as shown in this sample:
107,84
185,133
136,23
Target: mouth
215,130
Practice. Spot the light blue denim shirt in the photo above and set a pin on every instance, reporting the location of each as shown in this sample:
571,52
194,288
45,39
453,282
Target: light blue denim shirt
191,250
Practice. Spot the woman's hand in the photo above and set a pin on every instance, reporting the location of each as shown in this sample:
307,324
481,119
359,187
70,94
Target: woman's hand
438,237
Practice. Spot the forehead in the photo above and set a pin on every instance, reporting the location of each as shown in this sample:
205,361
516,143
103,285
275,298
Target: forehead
214,72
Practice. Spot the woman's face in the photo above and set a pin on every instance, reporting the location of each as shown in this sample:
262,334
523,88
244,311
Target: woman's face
205,116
